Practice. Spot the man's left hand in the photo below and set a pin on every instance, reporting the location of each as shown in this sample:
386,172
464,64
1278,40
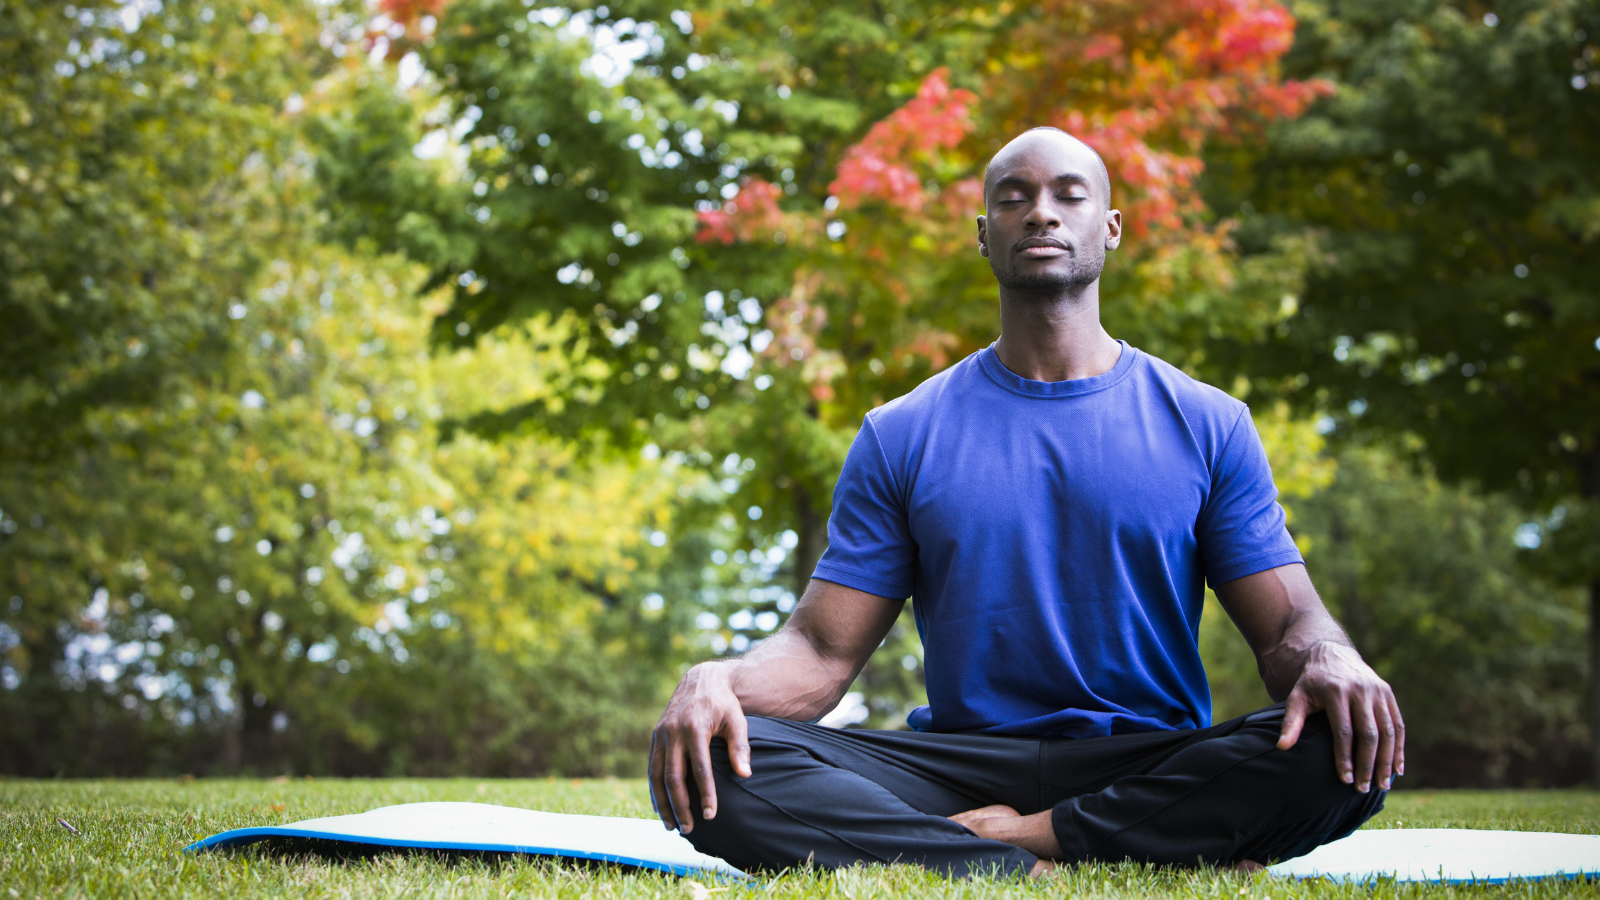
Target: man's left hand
1369,736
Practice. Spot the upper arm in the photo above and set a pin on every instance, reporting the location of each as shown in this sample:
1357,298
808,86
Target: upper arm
870,543
1241,529
841,624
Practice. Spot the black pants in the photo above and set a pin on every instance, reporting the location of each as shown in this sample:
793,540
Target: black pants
1214,796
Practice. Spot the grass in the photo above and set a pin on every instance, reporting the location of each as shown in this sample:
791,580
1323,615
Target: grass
131,834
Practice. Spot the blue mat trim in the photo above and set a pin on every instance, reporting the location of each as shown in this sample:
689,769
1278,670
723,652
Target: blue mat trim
241,836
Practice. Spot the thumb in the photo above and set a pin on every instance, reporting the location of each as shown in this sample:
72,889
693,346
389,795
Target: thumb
1294,718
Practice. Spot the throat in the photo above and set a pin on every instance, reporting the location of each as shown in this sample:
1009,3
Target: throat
1054,342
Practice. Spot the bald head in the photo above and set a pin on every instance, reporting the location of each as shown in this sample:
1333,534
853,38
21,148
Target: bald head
1054,141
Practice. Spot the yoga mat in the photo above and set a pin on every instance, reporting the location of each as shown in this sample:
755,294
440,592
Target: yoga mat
1408,854
481,826
1449,855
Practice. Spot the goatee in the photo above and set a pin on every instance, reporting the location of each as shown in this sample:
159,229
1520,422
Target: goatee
1080,274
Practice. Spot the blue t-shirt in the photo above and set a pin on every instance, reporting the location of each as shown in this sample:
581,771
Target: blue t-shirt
1057,537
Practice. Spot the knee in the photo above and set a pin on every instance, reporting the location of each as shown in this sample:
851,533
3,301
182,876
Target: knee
1315,741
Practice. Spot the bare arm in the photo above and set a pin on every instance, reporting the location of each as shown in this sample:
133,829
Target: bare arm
799,673
1306,659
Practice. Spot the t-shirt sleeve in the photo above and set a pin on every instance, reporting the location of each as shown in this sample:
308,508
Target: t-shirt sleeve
870,547
1242,528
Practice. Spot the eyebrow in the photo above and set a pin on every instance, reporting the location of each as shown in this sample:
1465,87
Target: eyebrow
1019,181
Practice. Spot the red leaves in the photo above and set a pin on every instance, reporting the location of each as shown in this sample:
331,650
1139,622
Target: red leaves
407,12
1145,82
1150,85
880,166
752,215
399,25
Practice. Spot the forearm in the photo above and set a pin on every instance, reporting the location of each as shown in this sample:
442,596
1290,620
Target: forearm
787,678
1280,614
801,672
1308,633
1308,661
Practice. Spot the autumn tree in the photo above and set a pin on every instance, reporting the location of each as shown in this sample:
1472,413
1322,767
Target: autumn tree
763,215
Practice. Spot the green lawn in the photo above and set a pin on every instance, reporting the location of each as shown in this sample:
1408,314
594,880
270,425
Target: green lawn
131,834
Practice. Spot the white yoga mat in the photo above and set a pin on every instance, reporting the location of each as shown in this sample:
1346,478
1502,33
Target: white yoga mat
1411,854
480,826
1449,855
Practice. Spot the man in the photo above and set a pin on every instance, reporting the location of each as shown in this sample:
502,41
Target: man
1056,504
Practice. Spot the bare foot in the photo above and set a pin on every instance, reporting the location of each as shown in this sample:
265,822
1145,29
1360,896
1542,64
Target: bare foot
972,817
1248,865
1034,833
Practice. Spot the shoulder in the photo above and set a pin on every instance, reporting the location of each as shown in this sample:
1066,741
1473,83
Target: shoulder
911,412
1201,403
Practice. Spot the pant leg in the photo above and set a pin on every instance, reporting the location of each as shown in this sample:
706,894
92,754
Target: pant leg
839,797
1216,796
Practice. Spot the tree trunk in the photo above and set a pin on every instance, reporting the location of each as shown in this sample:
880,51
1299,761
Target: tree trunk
1594,680
1589,480
232,746
1353,613
812,528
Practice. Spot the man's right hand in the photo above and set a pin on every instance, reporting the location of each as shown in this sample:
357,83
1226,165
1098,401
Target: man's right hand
703,707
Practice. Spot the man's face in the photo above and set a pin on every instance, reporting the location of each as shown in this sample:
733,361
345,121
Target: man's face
1048,227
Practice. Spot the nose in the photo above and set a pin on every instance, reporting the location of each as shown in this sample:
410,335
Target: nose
1044,215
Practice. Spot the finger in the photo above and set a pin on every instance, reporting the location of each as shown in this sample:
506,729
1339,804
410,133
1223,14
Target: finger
1339,722
1383,763
658,785
1365,723
1294,718
677,786
739,744
700,763
1399,736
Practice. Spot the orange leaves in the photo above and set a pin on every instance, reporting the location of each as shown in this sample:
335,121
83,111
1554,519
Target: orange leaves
880,166
1150,84
407,12
399,24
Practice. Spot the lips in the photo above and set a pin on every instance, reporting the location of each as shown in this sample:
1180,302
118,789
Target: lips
1041,248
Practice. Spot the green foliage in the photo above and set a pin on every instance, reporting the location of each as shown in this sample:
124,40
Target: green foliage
130,834
1449,193
1445,202
126,148
581,192
259,555
290,563
1486,661
748,351
347,428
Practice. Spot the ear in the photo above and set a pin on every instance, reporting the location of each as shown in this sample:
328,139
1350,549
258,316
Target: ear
1113,229
983,236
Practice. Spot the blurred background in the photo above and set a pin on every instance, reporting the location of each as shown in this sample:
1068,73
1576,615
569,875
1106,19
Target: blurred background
418,388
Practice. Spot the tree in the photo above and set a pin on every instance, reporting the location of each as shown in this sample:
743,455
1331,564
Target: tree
1449,192
126,141
763,216
269,558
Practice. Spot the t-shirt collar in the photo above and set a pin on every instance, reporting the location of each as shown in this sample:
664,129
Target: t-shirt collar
1011,381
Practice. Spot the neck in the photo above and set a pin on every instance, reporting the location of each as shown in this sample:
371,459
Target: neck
1055,338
